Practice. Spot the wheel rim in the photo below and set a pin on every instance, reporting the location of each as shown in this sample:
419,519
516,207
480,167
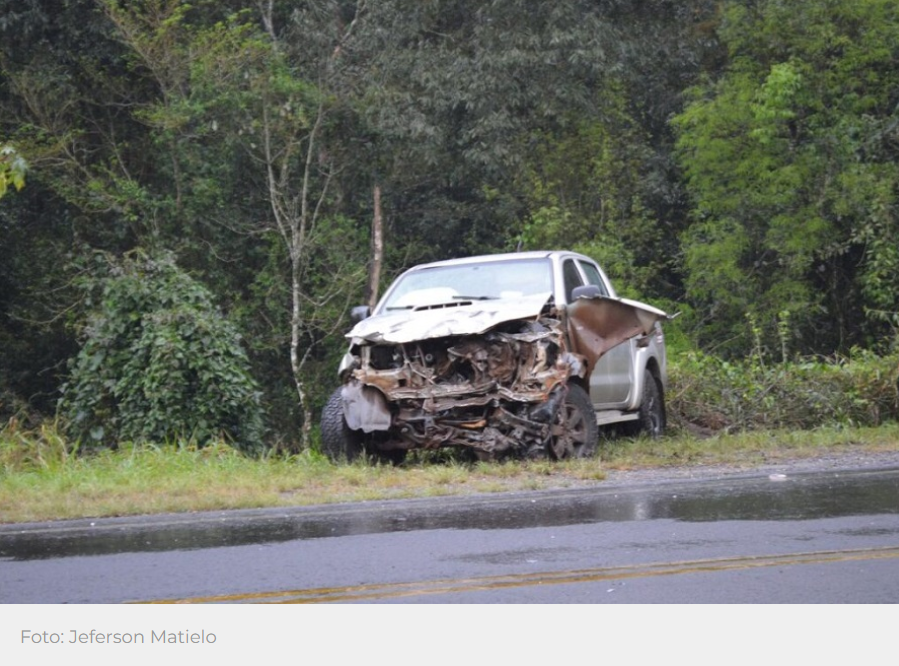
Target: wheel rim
569,433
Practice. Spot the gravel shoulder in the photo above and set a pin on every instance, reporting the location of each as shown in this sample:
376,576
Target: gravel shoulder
830,462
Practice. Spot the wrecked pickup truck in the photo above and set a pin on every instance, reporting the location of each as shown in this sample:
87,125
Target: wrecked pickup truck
520,355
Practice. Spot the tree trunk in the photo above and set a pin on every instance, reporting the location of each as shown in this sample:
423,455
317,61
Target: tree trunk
296,363
377,250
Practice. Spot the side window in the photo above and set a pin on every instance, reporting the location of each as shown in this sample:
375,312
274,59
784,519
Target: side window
593,276
572,278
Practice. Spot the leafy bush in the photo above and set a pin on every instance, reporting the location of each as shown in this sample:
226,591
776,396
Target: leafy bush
710,393
159,363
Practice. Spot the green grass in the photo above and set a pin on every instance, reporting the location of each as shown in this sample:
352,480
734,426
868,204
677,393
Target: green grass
40,479
753,447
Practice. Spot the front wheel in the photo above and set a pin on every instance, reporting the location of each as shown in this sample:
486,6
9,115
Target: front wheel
339,442
574,431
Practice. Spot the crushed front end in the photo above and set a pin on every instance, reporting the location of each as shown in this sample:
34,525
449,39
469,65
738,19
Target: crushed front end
495,392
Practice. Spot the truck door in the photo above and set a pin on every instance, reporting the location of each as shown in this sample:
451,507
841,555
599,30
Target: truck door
613,374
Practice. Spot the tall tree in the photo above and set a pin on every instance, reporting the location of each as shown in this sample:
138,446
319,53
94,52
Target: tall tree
233,80
791,158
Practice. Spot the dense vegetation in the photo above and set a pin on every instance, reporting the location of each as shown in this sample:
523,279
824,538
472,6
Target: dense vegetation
240,173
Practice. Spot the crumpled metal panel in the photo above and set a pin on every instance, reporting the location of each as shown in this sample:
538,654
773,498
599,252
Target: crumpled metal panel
365,408
458,318
523,366
595,325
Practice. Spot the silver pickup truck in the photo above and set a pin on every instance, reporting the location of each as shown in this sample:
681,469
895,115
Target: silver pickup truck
522,355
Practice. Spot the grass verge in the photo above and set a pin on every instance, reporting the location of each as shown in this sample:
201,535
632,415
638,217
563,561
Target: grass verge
41,480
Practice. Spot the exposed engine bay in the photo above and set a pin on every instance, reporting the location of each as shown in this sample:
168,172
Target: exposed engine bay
495,392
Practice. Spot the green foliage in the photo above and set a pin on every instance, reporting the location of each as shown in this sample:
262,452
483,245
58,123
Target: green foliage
153,124
710,394
332,282
791,161
584,193
159,363
12,169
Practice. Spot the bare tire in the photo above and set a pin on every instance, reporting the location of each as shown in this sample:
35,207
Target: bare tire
574,432
339,442
652,408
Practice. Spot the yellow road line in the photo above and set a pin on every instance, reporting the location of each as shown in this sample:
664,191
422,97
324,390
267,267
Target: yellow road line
378,592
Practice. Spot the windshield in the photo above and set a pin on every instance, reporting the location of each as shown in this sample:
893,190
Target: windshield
481,281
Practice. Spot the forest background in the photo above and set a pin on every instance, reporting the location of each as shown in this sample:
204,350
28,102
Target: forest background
211,185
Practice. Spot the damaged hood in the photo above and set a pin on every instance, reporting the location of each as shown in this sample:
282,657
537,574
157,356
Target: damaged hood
460,317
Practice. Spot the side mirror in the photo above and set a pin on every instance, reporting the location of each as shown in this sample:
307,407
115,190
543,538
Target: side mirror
588,291
359,313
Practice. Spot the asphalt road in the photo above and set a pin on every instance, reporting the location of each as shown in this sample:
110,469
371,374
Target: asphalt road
756,538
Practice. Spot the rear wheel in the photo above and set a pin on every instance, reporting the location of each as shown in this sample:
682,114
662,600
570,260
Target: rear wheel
574,431
339,442
652,409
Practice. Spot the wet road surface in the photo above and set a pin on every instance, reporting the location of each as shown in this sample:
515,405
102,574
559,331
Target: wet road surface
826,537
